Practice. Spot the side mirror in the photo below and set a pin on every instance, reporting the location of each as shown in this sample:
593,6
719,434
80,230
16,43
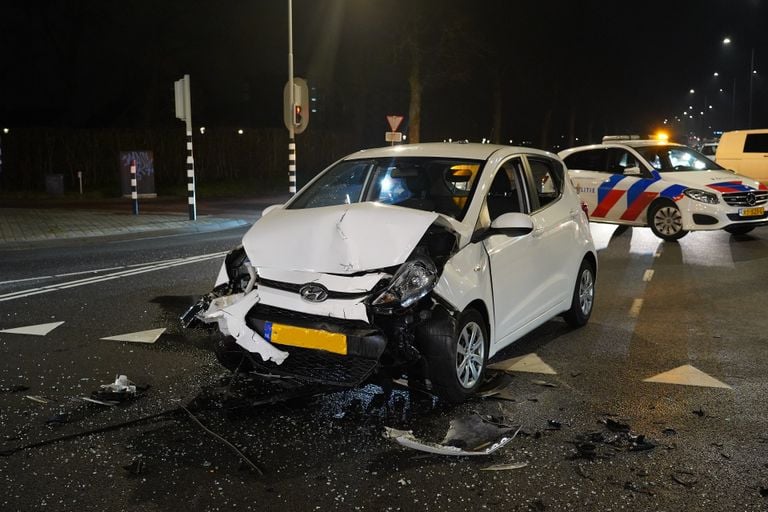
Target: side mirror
632,171
509,224
269,209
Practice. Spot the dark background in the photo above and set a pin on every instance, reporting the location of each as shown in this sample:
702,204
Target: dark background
558,73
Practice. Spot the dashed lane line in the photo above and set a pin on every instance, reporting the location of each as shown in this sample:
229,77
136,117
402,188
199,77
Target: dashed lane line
648,275
152,267
637,305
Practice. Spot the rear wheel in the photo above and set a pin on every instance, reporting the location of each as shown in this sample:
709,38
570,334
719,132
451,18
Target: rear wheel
739,229
458,367
666,221
583,296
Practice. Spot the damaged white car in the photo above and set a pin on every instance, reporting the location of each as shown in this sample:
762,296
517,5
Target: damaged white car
419,260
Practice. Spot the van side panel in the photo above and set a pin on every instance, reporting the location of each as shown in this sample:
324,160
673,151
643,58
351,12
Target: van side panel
731,153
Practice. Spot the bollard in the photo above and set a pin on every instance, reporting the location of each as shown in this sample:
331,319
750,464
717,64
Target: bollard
134,188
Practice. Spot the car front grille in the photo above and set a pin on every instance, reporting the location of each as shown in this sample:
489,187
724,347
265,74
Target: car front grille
741,198
295,288
321,367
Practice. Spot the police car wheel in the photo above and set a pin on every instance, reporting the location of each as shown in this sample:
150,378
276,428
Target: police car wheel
666,222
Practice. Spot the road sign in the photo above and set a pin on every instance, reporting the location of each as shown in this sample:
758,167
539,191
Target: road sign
394,122
393,137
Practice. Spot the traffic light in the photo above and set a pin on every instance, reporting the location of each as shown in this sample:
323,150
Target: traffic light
297,115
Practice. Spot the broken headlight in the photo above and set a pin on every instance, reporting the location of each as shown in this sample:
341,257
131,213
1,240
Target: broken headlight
413,280
241,273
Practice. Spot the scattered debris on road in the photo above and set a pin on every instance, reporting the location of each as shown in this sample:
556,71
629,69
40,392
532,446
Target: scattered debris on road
603,445
505,467
14,389
119,391
469,436
543,383
685,478
37,398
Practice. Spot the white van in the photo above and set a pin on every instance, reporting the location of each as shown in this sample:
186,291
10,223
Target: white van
746,152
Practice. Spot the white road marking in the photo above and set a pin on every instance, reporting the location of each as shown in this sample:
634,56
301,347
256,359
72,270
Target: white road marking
648,275
34,330
530,363
149,336
134,270
687,375
637,305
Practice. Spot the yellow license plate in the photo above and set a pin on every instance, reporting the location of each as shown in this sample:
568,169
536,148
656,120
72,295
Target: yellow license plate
751,212
305,338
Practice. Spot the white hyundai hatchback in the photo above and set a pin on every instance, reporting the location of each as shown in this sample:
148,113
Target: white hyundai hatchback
669,187
419,260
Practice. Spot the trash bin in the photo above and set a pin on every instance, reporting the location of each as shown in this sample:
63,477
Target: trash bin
54,184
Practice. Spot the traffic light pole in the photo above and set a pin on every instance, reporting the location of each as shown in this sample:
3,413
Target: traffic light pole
291,130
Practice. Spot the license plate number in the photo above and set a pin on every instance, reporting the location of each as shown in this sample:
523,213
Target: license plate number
305,338
751,212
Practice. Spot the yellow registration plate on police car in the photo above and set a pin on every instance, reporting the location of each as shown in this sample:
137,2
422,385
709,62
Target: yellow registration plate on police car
305,338
751,212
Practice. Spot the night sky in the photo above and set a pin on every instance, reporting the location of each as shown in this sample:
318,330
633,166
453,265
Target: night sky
565,68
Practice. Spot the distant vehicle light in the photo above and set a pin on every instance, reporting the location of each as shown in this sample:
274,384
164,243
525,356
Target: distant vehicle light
662,136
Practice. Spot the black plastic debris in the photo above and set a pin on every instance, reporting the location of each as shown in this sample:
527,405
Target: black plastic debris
554,425
616,426
58,419
685,478
764,492
14,389
699,412
669,431
135,467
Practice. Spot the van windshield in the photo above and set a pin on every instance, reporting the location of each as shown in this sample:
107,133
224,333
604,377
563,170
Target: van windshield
676,159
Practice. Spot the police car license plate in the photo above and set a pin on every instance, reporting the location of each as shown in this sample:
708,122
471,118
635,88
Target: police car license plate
751,212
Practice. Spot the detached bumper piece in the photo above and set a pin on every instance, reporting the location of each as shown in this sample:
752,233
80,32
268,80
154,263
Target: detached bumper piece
364,345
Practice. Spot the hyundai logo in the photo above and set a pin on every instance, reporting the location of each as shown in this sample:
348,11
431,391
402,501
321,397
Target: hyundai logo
751,199
312,292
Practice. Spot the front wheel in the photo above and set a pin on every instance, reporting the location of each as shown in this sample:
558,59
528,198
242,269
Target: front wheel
583,296
458,368
739,229
666,221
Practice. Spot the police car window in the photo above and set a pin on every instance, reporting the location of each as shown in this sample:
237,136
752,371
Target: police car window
619,160
676,159
547,178
590,160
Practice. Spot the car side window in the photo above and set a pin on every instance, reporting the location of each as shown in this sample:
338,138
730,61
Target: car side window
589,160
506,193
547,177
619,160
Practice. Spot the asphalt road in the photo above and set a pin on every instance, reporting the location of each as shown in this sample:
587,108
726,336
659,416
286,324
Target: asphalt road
660,306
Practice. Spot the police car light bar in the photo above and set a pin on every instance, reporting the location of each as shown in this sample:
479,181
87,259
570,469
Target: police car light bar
610,138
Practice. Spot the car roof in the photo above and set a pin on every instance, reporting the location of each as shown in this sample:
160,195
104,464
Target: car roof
619,144
473,151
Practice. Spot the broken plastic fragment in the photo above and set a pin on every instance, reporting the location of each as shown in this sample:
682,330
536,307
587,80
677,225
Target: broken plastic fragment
505,467
37,398
120,390
468,436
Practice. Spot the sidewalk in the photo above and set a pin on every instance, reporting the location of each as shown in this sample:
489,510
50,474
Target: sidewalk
26,221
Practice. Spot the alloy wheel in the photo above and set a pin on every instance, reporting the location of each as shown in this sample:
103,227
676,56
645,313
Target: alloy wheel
586,291
668,221
470,354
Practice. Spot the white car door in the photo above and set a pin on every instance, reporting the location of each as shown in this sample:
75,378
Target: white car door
515,272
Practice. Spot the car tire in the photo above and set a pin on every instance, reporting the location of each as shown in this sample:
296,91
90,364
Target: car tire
739,229
583,299
666,221
457,366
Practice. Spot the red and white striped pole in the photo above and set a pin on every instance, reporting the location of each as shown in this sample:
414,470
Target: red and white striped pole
134,188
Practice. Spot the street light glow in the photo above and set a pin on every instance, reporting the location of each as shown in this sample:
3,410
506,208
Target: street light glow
727,40
692,91
715,74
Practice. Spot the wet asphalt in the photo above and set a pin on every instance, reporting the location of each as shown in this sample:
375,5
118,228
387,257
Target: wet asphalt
593,436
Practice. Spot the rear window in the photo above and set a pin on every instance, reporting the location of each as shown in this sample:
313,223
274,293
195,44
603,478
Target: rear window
756,143
589,160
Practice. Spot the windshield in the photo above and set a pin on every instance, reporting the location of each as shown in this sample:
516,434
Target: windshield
441,185
676,158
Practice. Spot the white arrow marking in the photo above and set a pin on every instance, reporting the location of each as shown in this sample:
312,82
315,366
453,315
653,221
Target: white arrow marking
687,375
530,363
34,330
149,336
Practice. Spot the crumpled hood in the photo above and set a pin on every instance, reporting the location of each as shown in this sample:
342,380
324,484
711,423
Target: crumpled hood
713,180
340,239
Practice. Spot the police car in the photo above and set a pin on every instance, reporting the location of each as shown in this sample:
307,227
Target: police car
668,187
